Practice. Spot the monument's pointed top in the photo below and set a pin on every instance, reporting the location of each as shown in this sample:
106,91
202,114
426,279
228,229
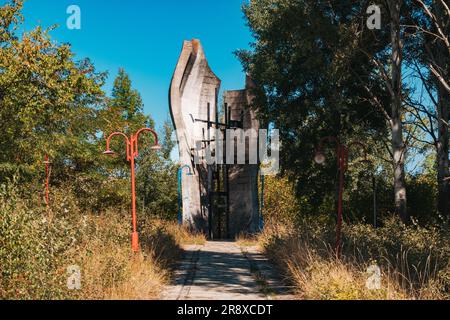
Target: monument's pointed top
195,44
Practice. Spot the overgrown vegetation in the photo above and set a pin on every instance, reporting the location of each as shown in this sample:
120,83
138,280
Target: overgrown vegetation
320,71
38,244
414,260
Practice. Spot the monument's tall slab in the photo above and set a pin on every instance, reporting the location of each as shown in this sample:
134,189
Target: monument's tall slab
243,178
194,86
220,198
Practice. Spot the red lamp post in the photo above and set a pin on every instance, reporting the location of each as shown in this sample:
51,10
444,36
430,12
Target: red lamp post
342,162
47,179
132,153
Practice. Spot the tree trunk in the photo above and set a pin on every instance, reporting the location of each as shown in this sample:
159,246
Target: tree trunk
443,173
398,145
442,56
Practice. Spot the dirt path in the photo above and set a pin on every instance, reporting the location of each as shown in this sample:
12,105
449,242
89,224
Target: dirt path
222,270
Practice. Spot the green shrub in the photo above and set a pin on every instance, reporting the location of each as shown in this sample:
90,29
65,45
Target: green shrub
32,247
38,244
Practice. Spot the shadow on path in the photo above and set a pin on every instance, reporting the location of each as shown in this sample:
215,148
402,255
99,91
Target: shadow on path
220,270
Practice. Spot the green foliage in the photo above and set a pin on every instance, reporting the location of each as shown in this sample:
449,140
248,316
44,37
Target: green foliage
156,176
32,249
423,198
414,260
157,186
37,244
280,203
52,104
317,70
306,62
168,142
414,257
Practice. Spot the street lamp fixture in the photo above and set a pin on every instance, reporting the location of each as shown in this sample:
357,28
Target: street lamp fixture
156,148
132,154
109,153
180,172
342,162
319,157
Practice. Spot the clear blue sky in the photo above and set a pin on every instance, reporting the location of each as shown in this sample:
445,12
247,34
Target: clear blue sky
145,38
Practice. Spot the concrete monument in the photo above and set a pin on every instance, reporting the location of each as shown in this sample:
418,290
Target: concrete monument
221,198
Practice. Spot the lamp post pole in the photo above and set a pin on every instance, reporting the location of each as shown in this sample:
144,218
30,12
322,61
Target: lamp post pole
132,153
180,173
47,180
342,162
343,153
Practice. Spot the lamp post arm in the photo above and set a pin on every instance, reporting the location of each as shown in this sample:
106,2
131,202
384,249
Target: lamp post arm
138,133
108,140
187,167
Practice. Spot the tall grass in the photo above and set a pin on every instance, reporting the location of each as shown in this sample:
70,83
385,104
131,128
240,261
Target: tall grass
414,261
37,245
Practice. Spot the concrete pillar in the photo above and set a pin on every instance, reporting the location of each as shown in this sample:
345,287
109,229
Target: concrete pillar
243,178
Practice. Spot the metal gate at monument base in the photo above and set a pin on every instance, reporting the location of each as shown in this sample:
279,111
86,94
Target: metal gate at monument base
217,186
219,218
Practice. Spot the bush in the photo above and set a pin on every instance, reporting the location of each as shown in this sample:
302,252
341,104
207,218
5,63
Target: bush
32,248
416,255
38,245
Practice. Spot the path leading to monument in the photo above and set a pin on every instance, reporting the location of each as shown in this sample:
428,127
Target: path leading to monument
221,270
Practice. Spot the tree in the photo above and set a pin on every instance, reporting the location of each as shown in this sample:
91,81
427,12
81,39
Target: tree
157,178
48,100
306,62
429,56
124,110
396,90
124,113
438,58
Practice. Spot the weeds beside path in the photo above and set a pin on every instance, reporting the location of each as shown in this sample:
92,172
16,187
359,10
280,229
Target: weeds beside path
38,245
413,261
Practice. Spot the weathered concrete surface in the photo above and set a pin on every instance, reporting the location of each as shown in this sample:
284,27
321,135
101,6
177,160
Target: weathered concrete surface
243,178
224,271
193,86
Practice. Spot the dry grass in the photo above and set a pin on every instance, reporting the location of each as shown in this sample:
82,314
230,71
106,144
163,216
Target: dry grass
116,273
110,270
182,235
245,240
316,274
